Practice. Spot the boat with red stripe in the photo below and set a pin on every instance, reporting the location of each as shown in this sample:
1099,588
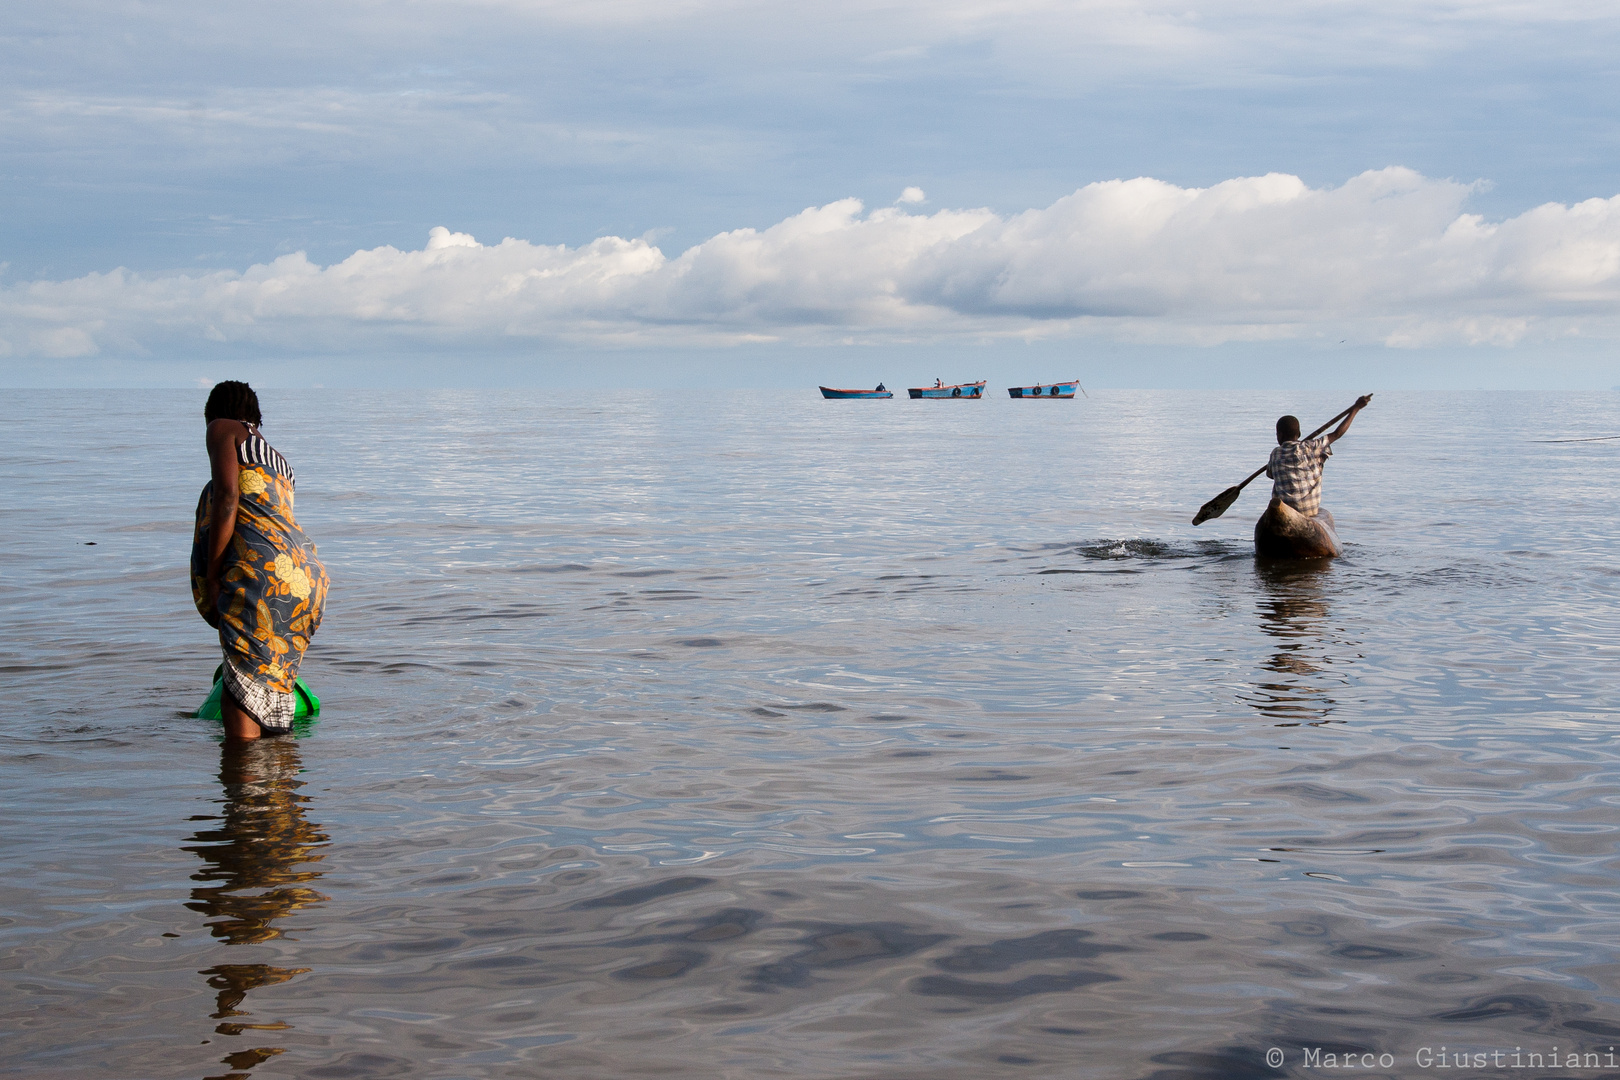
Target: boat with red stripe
1057,391
971,391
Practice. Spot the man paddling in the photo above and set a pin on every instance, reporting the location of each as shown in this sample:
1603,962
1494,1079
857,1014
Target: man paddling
1295,467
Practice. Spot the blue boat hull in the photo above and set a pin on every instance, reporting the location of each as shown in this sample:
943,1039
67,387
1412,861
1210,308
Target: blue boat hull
829,392
970,391
1058,390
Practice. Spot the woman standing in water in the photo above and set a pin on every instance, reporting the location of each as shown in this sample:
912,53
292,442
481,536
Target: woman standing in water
254,574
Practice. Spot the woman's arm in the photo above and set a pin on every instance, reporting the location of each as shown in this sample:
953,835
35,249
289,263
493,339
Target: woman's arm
222,439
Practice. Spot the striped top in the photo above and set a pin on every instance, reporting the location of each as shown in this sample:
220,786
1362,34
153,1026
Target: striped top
253,450
1296,471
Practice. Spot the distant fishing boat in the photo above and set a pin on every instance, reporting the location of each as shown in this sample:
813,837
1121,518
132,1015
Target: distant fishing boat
1057,390
829,392
970,390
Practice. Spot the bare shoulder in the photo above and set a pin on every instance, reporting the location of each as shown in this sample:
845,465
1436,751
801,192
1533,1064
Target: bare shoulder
222,426
225,434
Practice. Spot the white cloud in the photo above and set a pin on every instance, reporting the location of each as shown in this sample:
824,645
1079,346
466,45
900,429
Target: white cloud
1389,256
440,237
911,196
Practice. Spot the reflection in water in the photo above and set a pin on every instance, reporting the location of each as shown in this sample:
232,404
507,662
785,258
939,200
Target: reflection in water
256,862
1299,683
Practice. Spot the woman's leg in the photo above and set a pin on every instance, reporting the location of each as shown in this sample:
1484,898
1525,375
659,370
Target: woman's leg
238,724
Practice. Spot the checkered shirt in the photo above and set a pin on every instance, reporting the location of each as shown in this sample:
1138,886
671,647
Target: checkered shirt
1296,471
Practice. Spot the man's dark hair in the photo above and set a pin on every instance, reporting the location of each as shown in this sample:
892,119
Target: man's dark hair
232,400
1287,428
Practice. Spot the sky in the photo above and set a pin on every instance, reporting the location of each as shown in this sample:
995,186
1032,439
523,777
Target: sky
1361,194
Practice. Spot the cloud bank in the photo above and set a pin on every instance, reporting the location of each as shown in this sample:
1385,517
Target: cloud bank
1389,256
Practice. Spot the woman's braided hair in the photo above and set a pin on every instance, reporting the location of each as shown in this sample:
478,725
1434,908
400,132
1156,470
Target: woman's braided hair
232,400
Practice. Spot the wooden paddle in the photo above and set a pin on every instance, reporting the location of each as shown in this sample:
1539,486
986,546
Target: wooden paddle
1221,503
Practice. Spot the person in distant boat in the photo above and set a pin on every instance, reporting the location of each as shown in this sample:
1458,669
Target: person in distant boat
255,576
938,383
1296,464
879,389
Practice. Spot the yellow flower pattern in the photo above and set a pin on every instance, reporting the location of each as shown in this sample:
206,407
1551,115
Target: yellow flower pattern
296,580
273,589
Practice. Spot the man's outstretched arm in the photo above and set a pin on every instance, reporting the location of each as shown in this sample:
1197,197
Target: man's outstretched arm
1338,433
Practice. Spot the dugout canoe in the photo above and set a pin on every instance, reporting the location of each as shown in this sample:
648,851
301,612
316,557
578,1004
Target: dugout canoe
972,391
1050,391
830,392
1284,533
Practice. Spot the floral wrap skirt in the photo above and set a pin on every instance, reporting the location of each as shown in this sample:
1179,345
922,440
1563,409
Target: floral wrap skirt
272,592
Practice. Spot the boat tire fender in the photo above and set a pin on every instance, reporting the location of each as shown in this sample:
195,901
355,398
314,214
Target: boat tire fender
957,392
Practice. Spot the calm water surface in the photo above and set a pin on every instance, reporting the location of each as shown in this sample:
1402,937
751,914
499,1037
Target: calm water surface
763,736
